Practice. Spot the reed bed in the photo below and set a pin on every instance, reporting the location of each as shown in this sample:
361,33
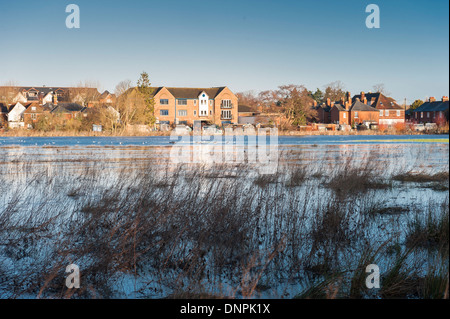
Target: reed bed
156,230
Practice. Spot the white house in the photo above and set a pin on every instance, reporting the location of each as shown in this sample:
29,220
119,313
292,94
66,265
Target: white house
15,115
20,98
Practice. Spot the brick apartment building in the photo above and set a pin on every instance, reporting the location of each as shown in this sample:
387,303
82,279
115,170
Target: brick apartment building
194,106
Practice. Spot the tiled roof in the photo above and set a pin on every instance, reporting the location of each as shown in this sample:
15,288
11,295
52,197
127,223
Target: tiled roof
67,108
433,107
190,93
339,107
244,108
361,107
379,101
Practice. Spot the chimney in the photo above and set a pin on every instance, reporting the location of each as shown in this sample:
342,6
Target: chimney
349,98
432,99
363,96
328,102
332,104
342,101
315,103
365,100
445,99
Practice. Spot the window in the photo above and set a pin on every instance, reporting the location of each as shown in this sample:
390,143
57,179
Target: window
164,101
210,102
182,112
195,113
195,102
356,115
33,108
226,115
182,102
163,112
210,112
226,103
398,113
387,112
33,116
381,112
428,114
421,114
344,115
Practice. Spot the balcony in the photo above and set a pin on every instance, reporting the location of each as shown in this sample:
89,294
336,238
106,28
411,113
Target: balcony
226,106
226,117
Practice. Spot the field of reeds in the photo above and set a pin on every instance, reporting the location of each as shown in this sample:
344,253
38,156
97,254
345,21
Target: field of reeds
147,229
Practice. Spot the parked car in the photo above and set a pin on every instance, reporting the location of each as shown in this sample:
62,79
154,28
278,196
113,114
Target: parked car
419,127
430,126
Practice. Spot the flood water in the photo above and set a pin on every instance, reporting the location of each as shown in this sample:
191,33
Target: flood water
58,177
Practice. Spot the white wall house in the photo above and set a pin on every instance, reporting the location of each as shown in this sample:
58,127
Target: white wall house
48,98
20,98
203,109
15,116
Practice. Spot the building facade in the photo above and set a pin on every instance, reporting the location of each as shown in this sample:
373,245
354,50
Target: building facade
195,106
432,111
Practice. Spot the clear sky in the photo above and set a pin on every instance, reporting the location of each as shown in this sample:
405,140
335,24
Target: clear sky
246,44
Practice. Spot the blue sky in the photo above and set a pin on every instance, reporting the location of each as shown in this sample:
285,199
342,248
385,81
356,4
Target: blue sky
246,45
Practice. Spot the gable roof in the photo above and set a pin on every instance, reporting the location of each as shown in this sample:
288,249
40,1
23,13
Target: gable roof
359,106
190,93
379,101
38,108
339,107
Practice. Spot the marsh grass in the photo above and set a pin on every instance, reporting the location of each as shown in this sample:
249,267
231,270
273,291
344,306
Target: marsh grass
193,231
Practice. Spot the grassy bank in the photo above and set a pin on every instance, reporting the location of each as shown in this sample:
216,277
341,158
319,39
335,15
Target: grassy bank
34,133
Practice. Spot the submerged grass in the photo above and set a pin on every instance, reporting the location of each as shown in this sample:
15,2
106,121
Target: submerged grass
207,231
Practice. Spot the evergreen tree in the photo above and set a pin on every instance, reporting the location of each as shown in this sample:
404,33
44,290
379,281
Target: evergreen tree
144,88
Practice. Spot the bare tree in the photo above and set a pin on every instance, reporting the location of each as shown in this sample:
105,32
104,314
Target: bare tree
123,87
248,98
268,99
380,88
334,91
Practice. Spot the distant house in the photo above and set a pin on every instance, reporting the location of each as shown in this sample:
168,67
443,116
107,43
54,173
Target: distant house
68,110
32,114
246,114
43,95
107,98
431,111
390,112
357,113
15,115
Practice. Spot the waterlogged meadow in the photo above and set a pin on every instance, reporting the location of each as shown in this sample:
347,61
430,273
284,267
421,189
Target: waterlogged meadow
139,226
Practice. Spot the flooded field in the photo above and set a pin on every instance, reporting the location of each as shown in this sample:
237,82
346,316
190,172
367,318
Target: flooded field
139,225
